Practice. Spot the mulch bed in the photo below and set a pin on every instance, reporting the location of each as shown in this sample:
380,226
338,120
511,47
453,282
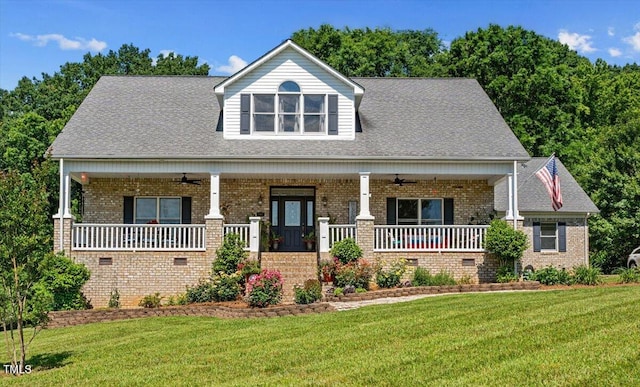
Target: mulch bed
240,309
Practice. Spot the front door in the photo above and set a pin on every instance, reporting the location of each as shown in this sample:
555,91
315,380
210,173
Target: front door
292,219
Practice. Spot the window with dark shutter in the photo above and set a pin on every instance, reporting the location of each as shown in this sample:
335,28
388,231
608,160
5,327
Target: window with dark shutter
562,237
536,236
245,113
128,210
333,114
448,211
391,211
186,210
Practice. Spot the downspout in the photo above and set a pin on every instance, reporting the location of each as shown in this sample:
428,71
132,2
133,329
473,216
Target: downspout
61,203
586,240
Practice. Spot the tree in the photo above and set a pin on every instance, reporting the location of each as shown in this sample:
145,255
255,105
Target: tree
505,242
380,52
24,243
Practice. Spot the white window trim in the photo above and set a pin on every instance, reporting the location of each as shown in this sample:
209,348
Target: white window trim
556,236
300,115
135,207
420,208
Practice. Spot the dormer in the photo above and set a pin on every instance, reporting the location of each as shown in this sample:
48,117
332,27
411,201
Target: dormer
289,94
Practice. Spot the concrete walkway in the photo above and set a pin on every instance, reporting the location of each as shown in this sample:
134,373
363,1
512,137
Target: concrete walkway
349,305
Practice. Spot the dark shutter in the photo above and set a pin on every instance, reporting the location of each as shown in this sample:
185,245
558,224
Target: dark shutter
391,211
128,210
562,237
186,210
245,113
536,236
448,211
333,114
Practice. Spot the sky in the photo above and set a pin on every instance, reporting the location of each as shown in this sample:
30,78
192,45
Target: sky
39,36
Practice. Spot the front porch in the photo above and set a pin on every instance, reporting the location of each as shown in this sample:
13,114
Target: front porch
149,232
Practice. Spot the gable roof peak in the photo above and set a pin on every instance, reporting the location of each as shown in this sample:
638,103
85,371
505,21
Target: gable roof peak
288,43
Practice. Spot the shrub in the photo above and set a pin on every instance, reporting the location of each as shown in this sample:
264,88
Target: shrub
64,279
356,273
442,278
265,289
505,242
151,301
202,292
248,267
310,293
361,290
631,275
585,275
114,299
464,280
346,250
338,292
505,274
421,277
390,278
229,255
552,276
221,287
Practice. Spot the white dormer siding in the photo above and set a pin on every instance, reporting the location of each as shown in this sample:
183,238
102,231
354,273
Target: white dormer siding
289,65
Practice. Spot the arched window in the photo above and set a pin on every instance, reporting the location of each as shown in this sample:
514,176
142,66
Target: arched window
289,111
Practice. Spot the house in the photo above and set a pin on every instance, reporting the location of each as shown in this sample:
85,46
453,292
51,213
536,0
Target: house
170,164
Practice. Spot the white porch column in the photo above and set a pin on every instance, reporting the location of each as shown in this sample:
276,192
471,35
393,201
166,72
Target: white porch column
254,234
516,213
364,196
214,202
510,197
323,225
67,195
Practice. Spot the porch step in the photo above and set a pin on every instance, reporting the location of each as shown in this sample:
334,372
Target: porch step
295,267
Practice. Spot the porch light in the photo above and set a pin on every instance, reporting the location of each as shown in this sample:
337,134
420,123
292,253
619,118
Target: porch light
324,201
260,199
84,178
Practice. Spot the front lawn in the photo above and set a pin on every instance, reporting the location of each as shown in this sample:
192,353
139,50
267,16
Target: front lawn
585,336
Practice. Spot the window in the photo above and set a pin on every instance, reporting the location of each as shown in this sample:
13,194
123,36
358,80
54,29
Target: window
549,236
296,113
158,209
419,211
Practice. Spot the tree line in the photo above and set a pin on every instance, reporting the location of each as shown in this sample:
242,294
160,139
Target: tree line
552,98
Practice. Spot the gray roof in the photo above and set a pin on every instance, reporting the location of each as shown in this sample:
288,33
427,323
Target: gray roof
533,196
175,117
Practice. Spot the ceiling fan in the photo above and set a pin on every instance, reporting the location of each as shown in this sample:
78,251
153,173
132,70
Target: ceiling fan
400,182
184,180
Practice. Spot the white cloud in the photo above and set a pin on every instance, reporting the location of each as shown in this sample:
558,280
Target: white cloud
63,42
611,31
614,52
637,26
633,41
575,41
235,64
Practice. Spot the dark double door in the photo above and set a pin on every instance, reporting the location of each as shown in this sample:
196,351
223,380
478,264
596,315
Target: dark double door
292,217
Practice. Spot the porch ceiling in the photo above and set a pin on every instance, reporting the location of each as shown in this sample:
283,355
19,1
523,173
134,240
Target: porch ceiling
284,175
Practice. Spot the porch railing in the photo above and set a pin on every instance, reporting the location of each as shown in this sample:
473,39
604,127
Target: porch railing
138,237
243,230
430,238
338,232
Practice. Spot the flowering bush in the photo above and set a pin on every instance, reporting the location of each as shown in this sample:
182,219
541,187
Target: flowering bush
355,273
390,278
265,289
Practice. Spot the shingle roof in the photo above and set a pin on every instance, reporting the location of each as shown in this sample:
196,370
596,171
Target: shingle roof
175,117
533,196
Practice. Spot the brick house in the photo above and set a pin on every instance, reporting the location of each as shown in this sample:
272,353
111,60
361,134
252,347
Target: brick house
409,167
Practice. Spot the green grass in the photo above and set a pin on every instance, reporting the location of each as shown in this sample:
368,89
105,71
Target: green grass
610,278
580,337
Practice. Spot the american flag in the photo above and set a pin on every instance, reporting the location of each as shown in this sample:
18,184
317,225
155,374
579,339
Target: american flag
548,175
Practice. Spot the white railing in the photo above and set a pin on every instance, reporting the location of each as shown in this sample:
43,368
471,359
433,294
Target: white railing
338,232
429,238
243,230
139,237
